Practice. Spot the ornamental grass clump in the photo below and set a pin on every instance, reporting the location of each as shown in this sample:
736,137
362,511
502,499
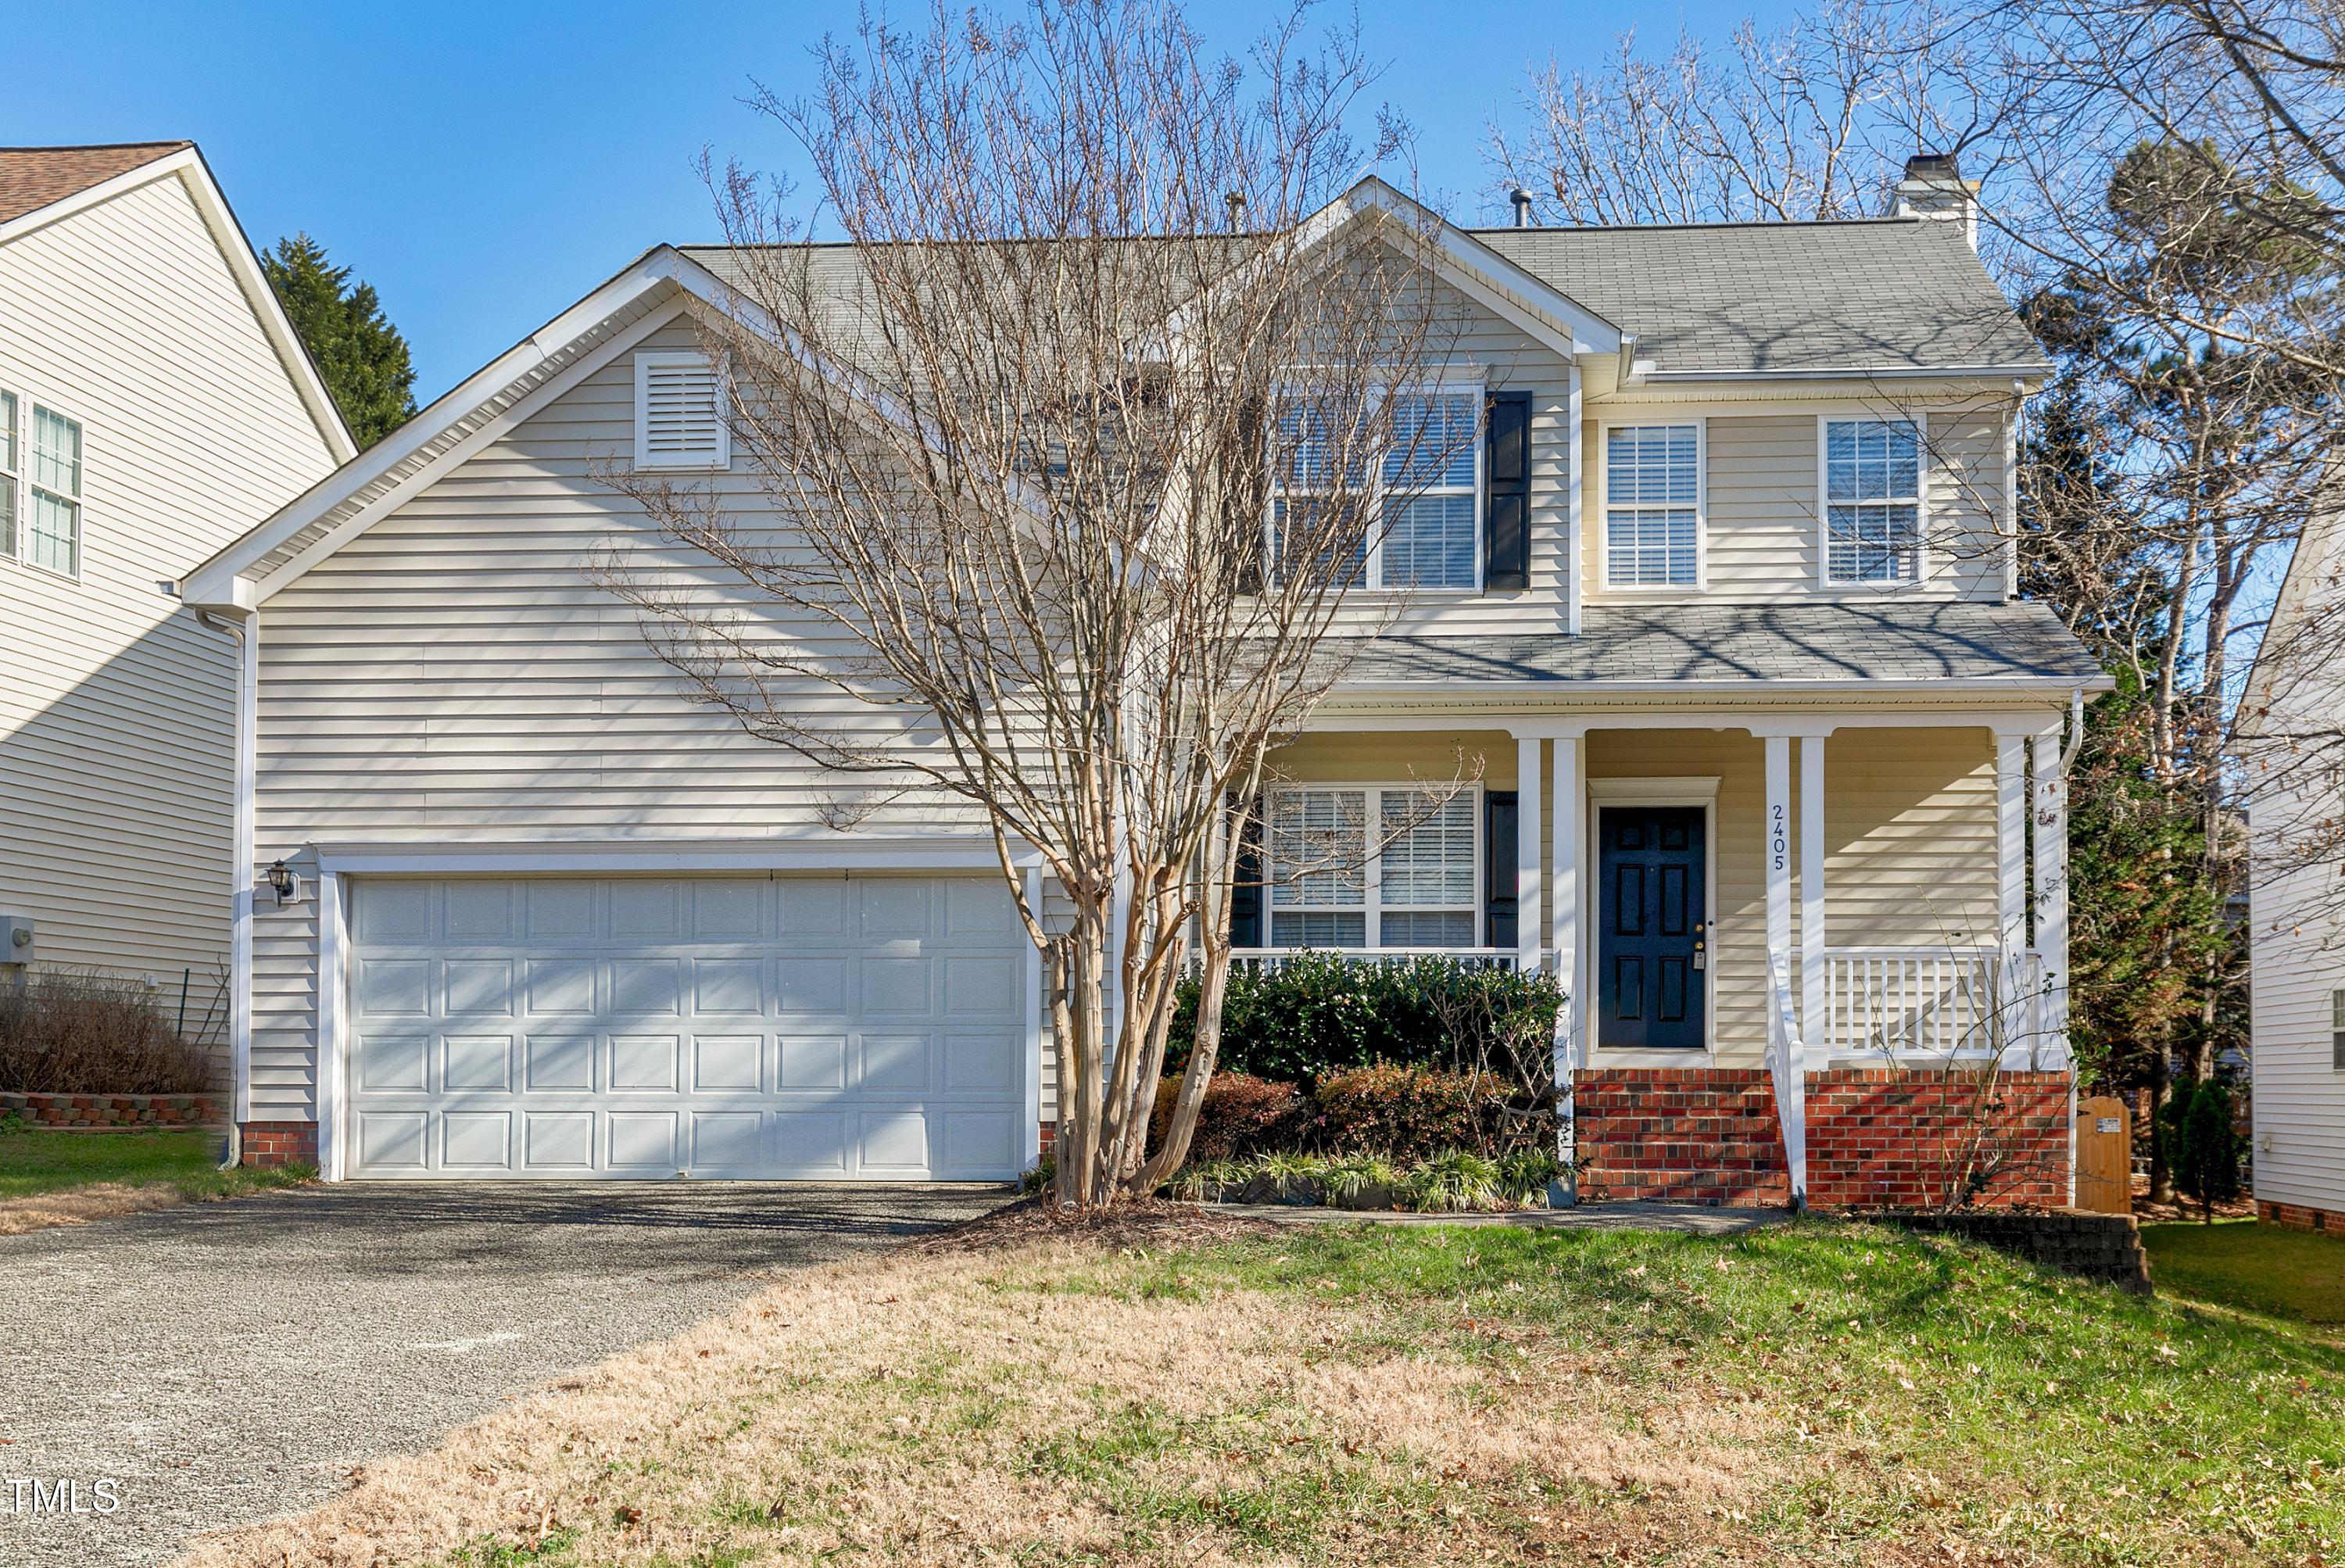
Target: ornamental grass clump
1458,1182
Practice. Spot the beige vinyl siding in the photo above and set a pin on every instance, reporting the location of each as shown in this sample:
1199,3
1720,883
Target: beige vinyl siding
1761,528
285,1007
117,717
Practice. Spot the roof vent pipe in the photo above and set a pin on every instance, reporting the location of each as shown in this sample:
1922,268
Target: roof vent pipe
1522,200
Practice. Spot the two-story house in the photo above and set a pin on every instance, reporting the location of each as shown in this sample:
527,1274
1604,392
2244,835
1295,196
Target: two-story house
154,406
1718,617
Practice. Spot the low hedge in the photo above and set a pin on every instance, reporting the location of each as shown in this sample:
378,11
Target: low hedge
1455,1181
1389,1110
1323,1013
1241,1115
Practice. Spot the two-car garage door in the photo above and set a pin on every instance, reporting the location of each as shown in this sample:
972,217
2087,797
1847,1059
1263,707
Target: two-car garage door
807,1027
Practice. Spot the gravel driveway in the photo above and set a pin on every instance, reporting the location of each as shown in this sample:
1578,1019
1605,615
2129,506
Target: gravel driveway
226,1362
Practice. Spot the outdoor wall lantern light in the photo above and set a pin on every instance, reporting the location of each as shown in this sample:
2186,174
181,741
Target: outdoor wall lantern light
284,883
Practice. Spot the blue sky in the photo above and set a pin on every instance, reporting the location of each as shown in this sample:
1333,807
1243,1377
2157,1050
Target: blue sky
484,165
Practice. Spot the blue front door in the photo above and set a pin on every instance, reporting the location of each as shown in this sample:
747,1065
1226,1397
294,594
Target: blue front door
1651,957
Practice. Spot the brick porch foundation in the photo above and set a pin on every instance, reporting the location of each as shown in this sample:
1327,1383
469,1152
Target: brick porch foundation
267,1144
2300,1217
1877,1137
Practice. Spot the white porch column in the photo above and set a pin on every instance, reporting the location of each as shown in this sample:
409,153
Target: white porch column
2051,899
1811,893
1565,942
2011,889
1790,1063
1529,770
1575,524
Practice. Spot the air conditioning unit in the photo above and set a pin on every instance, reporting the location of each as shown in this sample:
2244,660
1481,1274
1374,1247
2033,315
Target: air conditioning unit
16,938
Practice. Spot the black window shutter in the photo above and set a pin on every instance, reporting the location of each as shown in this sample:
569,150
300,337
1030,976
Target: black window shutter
1507,514
1245,895
1500,849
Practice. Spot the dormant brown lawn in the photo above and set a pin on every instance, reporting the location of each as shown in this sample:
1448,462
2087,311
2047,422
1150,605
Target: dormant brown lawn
1172,1390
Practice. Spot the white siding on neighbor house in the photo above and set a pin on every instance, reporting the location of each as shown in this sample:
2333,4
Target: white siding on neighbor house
2297,960
117,714
1761,533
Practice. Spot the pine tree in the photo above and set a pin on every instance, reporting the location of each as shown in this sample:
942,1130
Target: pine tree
361,356
2198,1126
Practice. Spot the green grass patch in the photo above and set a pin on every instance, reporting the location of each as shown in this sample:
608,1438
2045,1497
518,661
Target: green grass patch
2259,1268
34,1161
1923,1386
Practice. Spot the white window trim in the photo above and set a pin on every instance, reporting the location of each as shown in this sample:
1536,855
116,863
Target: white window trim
12,476
1921,578
649,359
1683,791
1372,873
27,407
1372,569
1602,576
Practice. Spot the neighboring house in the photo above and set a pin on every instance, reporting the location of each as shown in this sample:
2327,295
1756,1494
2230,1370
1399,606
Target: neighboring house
1759,768
154,406
2292,723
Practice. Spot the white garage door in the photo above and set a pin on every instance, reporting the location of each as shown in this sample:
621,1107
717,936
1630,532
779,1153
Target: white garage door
823,1028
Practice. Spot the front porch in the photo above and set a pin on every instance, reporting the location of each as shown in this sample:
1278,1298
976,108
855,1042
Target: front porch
1796,947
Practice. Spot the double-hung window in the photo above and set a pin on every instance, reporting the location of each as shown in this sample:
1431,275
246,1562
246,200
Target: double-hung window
1872,501
53,506
12,473
1424,501
1652,506
1379,867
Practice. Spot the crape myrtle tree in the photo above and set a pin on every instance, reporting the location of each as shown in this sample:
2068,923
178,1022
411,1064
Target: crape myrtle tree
1070,447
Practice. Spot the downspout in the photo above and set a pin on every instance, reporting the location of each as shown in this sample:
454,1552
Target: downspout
2068,756
239,884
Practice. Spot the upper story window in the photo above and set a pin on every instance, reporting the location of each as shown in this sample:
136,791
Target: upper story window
52,504
2337,1029
1872,501
12,473
1427,493
1652,506
1417,890
680,414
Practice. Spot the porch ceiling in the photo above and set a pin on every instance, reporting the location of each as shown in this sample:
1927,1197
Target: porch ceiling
1754,645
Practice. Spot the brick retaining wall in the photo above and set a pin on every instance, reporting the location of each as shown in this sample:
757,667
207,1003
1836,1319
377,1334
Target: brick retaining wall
267,1144
2300,1217
2102,1247
86,1112
1877,1137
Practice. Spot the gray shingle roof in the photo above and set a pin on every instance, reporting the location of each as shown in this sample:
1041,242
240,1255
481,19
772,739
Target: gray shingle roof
1958,641
1893,293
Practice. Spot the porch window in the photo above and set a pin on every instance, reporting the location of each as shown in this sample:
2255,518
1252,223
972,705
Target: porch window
1872,492
1418,889
1652,506
1426,490
10,473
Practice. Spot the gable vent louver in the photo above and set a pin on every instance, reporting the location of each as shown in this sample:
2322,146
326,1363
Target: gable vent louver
679,413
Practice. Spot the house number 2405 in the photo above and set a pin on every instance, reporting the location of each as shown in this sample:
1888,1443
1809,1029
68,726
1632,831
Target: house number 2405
1779,836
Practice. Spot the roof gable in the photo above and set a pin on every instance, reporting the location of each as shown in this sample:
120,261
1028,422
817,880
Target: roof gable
44,186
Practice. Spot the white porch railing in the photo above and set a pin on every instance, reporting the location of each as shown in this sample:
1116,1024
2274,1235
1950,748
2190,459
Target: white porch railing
1273,958
1940,1001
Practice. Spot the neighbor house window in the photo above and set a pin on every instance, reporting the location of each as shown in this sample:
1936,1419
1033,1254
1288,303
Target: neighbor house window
2337,1029
680,414
1425,497
52,507
1872,501
1652,506
11,474
1417,890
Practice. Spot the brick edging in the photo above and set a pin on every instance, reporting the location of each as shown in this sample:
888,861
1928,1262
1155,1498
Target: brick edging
84,1112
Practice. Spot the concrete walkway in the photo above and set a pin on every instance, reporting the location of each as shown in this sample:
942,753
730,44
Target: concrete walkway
223,1363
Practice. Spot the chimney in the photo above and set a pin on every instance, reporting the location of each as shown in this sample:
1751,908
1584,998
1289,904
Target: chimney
1522,200
1933,186
1236,202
